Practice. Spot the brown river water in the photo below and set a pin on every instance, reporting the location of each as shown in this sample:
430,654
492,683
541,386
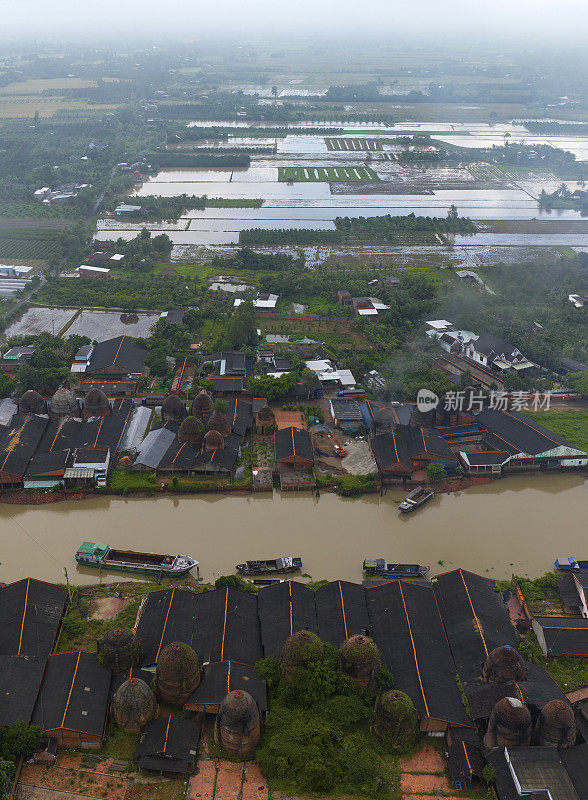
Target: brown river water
519,524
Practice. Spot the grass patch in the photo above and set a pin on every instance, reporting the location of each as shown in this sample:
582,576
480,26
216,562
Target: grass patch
316,174
572,425
80,633
118,743
120,480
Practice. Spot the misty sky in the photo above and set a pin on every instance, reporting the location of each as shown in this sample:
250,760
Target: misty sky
559,20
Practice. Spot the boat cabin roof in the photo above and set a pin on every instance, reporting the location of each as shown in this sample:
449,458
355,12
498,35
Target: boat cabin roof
94,548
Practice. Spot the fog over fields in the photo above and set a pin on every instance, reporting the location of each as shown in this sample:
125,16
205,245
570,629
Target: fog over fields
423,18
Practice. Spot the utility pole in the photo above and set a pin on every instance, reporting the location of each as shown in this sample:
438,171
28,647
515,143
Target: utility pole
67,583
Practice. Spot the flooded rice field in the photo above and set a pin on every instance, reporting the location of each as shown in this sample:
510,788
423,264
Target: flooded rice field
40,320
482,192
102,325
496,529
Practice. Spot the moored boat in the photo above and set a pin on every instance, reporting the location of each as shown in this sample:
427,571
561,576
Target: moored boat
103,556
570,563
380,568
416,498
271,565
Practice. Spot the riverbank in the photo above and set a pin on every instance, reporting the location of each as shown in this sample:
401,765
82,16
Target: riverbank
495,529
27,497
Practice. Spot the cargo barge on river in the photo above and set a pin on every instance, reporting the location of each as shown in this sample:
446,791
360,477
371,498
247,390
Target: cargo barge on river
381,569
415,499
103,556
277,566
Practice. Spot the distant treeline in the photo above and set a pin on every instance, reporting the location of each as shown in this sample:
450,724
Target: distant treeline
420,156
369,229
563,128
159,207
174,158
249,260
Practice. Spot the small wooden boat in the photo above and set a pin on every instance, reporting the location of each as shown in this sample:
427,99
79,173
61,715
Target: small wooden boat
272,565
379,567
102,556
415,499
570,563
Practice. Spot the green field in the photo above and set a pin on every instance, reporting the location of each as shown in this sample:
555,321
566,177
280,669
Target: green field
29,244
305,174
572,425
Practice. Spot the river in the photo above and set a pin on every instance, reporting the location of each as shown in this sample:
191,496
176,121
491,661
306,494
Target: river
517,524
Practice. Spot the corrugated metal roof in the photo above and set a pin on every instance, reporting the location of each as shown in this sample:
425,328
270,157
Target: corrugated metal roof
154,446
135,430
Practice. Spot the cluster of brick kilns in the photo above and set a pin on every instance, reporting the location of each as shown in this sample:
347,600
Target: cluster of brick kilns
510,723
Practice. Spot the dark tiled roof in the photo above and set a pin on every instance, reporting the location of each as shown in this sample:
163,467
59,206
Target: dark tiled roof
227,384
240,414
391,452
284,609
575,760
292,441
341,611
464,761
121,353
235,361
218,625
492,346
217,460
475,619
74,694
407,627
222,677
20,679
19,441
565,636
425,440
108,387
179,455
526,435
487,457
90,455
169,744
495,442
52,463
30,611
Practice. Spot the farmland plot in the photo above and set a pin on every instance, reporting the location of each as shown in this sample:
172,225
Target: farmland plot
347,145
340,174
41,320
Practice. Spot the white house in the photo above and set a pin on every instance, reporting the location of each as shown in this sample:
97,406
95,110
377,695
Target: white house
490,351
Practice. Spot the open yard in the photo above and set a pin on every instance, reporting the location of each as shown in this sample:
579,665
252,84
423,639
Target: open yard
301,174
331,331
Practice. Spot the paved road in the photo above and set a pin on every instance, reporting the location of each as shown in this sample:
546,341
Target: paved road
98,202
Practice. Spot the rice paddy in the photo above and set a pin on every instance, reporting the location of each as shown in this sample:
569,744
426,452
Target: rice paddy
330,174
